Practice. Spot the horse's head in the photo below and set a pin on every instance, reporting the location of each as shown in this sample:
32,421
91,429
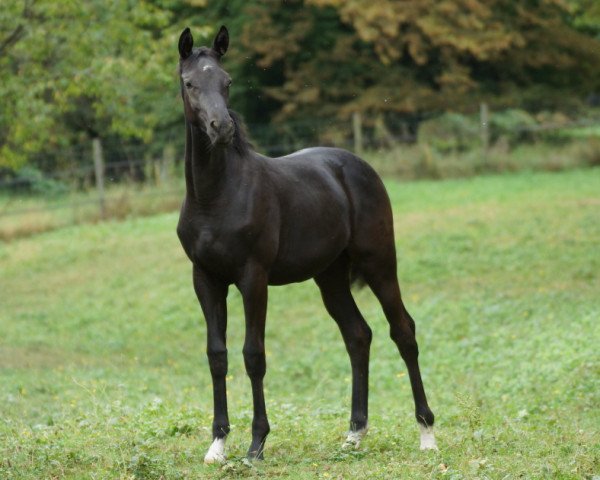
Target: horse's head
205,86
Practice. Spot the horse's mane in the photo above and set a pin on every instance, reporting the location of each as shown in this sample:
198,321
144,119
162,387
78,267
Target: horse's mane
240,138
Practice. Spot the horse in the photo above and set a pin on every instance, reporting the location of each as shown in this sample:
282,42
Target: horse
252,221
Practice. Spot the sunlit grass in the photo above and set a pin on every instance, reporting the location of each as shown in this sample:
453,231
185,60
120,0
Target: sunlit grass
26,215
104,375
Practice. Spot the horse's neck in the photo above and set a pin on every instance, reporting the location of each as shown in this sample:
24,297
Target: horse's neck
204,166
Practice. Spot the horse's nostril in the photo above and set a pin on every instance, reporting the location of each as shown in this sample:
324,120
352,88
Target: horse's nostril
214,124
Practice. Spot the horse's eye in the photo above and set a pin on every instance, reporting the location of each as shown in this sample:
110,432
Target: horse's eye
188,85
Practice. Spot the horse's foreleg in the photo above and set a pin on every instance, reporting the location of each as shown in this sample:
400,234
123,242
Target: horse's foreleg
212,295
335,290
253,288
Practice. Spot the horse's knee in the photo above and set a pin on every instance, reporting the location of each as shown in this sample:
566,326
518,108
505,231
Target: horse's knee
217,360
255,362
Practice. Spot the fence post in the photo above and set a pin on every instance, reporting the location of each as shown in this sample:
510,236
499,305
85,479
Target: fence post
484,127
99,174
357,130
168,159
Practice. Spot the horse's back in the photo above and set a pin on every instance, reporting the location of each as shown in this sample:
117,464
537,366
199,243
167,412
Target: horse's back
367,210
340,164
360,182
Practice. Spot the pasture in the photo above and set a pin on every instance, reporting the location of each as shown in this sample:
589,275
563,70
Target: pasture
103,372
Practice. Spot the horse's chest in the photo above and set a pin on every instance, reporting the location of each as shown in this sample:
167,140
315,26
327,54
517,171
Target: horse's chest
207,243
218,248
212,247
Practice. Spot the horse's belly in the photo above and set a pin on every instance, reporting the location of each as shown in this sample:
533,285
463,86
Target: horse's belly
282,274
308,256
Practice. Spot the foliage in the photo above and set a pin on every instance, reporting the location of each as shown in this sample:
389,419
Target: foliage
429,55
450,132
74,70
586,16
104,373
512,125
31,180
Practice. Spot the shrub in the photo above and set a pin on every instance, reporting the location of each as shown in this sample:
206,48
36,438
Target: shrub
31,180
513,125
450,132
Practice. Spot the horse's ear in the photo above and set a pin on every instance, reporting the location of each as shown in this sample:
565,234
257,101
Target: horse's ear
221,42
186,42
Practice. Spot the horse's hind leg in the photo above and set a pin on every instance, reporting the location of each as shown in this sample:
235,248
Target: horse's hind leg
334,284
381,277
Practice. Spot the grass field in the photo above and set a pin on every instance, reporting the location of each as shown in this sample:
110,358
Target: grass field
103,372
26,215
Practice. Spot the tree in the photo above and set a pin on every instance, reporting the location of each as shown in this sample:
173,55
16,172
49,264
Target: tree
412,58
585,16
74,70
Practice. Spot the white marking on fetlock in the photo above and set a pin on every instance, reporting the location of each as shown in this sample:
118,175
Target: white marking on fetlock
216,452
354,438
427,438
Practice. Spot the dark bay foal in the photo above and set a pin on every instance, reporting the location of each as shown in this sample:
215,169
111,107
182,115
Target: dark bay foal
252,221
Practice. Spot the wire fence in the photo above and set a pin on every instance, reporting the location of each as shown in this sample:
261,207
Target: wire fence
137,182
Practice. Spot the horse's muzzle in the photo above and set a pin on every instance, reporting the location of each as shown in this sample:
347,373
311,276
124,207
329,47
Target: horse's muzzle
222,131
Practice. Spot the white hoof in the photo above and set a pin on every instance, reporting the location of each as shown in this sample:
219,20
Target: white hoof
216,452
354,438
427,438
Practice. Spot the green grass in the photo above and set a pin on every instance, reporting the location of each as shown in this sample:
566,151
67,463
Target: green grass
103,372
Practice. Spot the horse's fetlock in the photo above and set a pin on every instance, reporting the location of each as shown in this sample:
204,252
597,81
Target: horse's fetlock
260,427
220,428
425,416
358,422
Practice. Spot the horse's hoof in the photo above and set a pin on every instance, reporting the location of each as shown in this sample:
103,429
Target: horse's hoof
254,456
210,459
216,452
427,438
353,439
433,447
